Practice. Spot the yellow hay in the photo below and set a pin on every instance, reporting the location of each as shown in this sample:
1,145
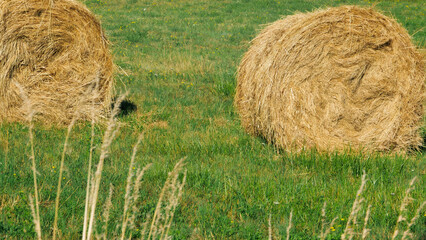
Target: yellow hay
331,79
57,53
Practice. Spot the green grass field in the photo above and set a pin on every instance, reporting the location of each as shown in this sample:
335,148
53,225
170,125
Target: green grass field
178,59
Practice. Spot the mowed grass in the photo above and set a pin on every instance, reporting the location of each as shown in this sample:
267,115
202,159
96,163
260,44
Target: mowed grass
178,60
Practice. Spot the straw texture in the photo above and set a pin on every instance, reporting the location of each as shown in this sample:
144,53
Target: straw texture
332,79
57,52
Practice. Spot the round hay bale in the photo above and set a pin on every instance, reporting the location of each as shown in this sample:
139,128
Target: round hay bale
55,54
332,79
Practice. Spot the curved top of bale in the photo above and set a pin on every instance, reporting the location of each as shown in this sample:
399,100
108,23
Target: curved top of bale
332,79
54,55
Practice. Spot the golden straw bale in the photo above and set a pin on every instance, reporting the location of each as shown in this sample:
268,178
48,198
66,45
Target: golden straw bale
332,79
55,53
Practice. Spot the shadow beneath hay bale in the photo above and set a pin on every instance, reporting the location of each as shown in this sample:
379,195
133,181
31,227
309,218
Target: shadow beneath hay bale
126,107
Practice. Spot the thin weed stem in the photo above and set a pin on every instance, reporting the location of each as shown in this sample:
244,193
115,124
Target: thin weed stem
322,236
355,209
269,228
30,113
145,227
327,231
86,205
6,150
135,196
289,225
128,188
36,220
37,211
89,171
407,233
107,208
365,230
175,202
407,199
109,135
61,170
160,221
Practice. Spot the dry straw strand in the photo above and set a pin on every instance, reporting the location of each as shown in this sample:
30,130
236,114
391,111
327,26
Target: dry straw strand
332,79
37,211
89,171
89,177
269,227
55,50
128,187
109,135
105,215
403,208
61,170
322,236
36,217
407,233
349,231
28,108
145,227
136,193
167,202
174,202
325,230
85,97
365,230
289,224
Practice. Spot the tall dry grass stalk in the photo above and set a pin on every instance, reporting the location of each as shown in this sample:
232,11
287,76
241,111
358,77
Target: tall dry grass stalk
90,94
89,177
289,225
166,206
89,172
29,110
407,233
287,229
130,200
168,200
36,216
105,215
61,170
6,149
325,230
323,220
145,226
37,211
109,135
349,231
403,208
365,230
127,198
269,228
135,196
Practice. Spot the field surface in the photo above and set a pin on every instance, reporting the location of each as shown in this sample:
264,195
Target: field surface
178,60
